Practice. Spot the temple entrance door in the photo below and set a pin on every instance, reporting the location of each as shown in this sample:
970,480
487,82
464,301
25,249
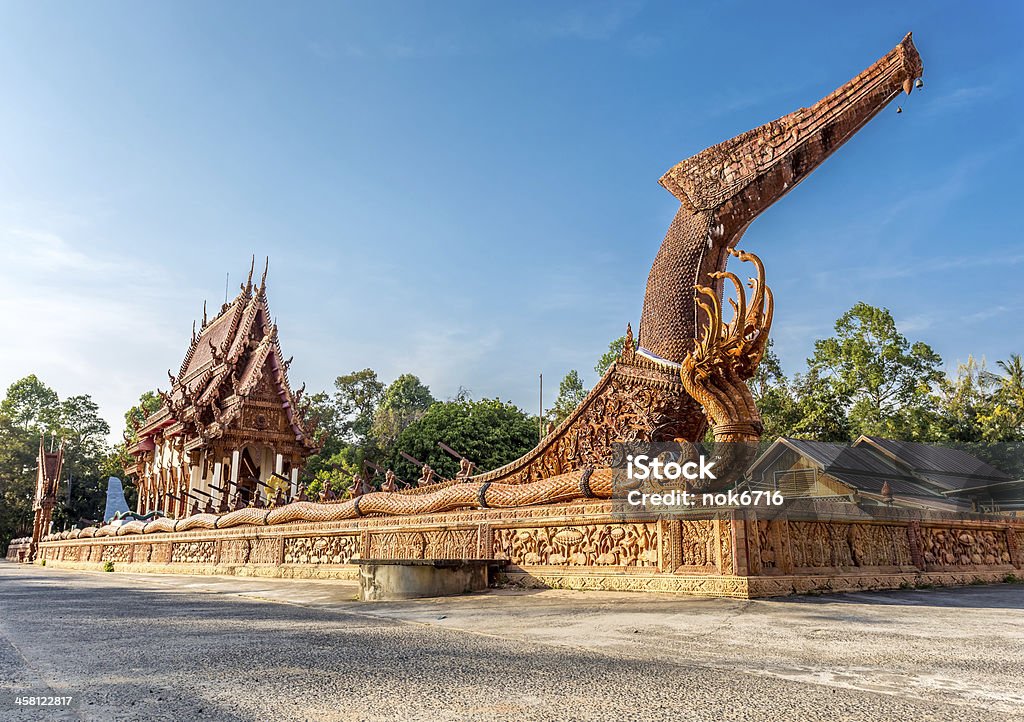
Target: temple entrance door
248,475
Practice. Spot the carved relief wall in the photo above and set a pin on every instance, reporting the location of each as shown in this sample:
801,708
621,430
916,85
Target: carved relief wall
625,545
590,546
949,547
321,550
433,544
199,552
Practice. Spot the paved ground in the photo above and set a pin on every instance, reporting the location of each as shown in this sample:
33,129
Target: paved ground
189,648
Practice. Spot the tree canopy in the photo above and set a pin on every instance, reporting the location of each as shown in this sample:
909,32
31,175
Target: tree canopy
29,410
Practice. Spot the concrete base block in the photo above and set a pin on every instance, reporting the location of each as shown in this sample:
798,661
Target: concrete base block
383,579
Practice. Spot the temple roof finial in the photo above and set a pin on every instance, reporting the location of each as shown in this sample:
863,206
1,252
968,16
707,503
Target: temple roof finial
248,283
263,280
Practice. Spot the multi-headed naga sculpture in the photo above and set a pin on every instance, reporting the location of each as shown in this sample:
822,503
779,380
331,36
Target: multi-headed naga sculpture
688,367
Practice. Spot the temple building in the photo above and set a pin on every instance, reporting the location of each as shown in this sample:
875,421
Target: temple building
230,430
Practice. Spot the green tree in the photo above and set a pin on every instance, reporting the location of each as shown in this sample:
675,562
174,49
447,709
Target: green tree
571,392
885,381
489,432
774,397
149,403
1004,419
31,405
356,397
610,356
963,401
403,402
820,411
30,409
87,457
18,449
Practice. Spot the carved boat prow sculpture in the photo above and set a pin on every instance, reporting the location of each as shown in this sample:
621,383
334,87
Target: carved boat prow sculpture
687,368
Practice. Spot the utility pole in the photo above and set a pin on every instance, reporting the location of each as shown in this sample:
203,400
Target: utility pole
540,416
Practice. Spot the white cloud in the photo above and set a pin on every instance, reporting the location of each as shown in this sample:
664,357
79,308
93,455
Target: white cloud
87,323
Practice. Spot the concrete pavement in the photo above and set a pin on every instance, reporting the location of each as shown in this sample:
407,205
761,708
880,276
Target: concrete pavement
181,648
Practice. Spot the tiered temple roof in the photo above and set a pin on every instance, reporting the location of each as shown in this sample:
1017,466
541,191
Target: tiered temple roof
233,358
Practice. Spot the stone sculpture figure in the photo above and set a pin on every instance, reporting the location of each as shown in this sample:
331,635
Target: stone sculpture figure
465,469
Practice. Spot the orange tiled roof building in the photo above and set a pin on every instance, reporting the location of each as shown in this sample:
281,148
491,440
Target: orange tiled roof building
230,426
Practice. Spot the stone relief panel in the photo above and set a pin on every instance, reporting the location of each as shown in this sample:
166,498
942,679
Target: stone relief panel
451,544
437,544
265,551
321,550
235,551
117,553
161,553
631,545
875,545
198,552
397,545
698,544
820,544
724,533
943,546
817,544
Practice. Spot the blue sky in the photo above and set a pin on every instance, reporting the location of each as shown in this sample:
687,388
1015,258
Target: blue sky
468,191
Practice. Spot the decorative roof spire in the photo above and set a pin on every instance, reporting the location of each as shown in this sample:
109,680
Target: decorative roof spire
204,313
248,283
263,280
628,349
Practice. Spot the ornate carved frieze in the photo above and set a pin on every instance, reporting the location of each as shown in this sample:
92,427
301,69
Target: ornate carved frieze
117,553
197,552
321,549
624,545
432,544
948,547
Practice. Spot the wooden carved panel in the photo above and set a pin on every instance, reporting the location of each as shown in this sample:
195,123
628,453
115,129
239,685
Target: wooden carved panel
590,545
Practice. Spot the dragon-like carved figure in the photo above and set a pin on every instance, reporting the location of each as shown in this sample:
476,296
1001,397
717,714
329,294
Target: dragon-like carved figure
688,368
716,371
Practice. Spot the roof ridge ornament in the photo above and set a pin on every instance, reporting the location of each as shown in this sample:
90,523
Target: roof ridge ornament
263,281
247,286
